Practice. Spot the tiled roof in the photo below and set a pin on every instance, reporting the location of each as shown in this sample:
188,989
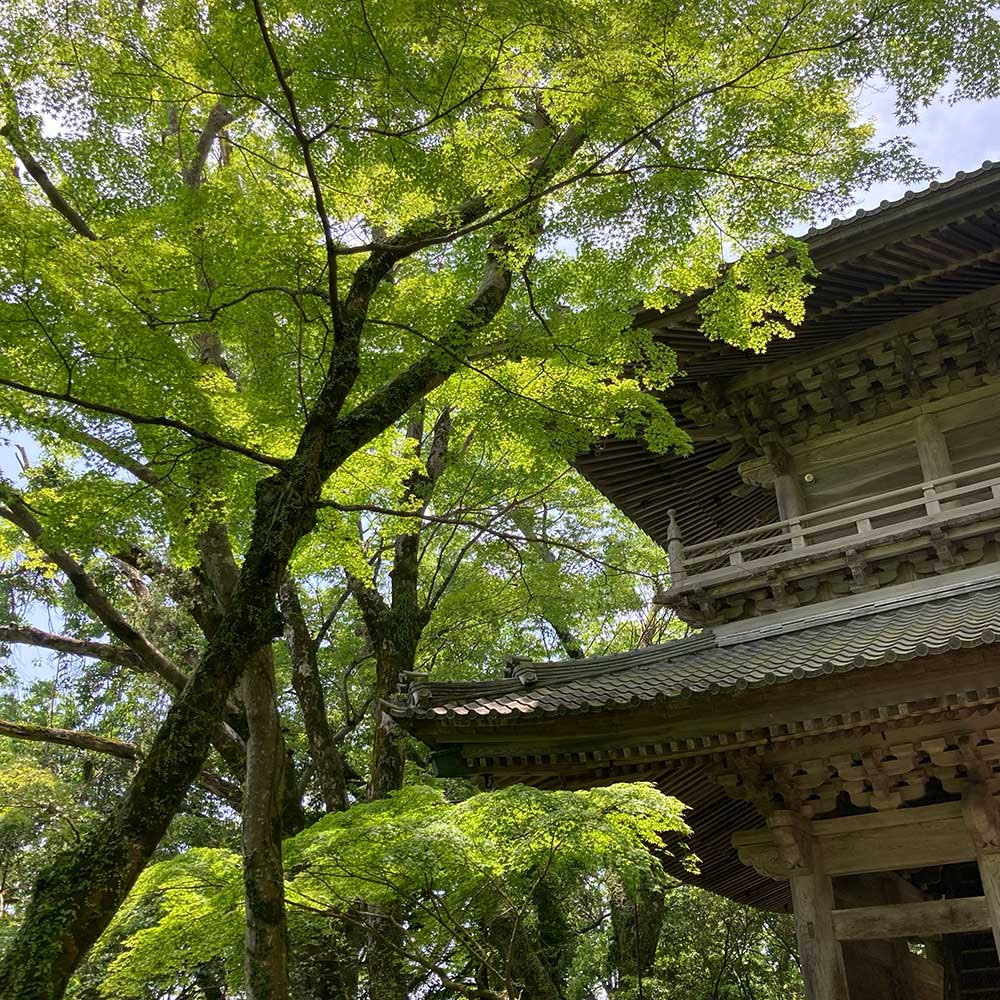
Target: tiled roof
709,664
962,177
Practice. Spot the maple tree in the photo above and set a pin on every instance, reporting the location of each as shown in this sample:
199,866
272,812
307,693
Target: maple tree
241,244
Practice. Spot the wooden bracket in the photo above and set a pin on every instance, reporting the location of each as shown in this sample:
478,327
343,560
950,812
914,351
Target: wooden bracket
833,389
776,454
781,595
792,838
986,340
982,816
785,854
864,579
907,367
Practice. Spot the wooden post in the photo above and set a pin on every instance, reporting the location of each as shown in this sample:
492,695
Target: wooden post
787,487
819,950
675,548
983,820
935,460
797,535
812,897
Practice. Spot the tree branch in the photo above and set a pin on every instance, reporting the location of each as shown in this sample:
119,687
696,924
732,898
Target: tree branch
218,786
68,738
308,688
218,118
485,528
28,635
38,173
305,146
142,419
14,509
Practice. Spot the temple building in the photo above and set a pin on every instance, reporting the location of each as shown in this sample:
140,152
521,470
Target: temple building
833,720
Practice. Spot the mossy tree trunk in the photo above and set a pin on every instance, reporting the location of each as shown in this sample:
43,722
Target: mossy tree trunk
636,922
265,958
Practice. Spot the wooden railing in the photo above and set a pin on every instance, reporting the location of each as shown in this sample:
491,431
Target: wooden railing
850,524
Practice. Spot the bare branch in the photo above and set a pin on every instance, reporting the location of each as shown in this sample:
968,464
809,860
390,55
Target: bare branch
28,635
56,198
218,786
15,510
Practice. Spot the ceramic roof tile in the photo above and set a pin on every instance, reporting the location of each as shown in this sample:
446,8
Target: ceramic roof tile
706,663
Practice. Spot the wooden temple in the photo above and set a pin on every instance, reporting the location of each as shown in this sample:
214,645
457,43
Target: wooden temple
834,723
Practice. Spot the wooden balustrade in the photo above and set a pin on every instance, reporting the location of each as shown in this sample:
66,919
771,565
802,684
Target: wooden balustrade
863,520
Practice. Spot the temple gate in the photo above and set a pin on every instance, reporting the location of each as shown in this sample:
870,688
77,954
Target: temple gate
835,722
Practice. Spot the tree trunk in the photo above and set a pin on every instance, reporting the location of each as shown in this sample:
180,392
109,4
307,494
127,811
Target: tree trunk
308,687
522,958
326,965
265,953
386,977
265,957
636,924
211,980
79,892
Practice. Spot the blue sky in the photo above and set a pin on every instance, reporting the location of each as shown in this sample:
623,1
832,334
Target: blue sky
951,137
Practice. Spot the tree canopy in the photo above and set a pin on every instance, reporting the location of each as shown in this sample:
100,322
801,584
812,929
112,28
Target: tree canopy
273,274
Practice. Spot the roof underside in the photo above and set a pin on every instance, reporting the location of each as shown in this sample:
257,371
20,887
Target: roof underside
922,251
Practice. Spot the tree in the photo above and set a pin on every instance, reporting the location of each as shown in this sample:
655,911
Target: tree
490,886
240,244
474,587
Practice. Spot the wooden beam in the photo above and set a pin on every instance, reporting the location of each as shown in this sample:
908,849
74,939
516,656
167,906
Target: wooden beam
875,889
982,818
942,841
932,917
874,842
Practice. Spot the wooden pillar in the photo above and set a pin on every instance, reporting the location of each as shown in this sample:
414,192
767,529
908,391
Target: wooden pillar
935,460
819,950
675,548
812,898
989,872
787,487
983,820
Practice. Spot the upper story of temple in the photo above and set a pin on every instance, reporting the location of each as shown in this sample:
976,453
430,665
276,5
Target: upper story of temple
862,454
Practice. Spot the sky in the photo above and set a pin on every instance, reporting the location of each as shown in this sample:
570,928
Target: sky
949,137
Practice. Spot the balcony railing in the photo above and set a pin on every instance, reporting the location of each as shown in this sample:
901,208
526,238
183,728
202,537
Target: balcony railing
960,496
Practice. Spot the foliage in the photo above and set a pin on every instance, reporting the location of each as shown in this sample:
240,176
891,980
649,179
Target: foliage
38,815
458,868
714,949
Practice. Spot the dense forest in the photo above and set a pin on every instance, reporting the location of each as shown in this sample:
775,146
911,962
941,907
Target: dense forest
305,310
